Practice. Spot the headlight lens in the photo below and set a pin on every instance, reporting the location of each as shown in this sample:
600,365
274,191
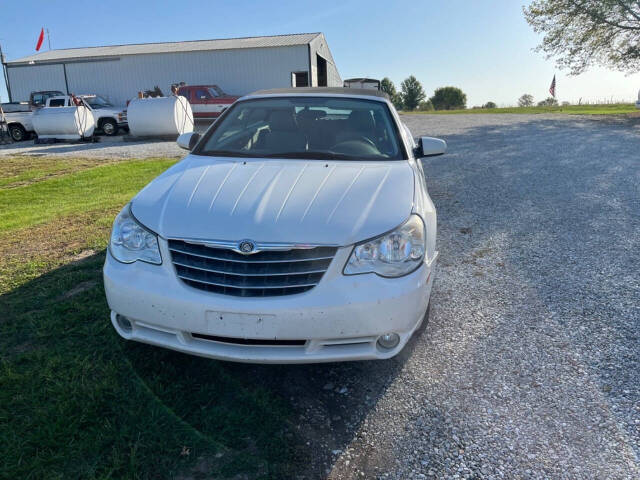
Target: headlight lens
130,241
394,254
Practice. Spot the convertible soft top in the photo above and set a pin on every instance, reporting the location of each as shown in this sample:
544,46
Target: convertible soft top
349,92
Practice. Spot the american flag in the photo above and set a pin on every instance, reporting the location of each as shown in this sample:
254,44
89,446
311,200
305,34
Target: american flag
552,88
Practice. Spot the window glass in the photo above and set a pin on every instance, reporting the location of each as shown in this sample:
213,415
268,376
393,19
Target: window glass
57,102
213,92
202,94
306,127
97,102
219,91
38,99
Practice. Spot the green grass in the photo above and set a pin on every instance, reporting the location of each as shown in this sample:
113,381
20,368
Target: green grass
77,192
76,401
611,109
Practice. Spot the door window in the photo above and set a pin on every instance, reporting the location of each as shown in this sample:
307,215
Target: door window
39,99
57,102
202,94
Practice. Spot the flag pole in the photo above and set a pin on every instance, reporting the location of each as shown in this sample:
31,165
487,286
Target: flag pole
48,39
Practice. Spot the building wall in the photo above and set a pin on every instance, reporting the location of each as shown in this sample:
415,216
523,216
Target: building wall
319,46
43,77
237,72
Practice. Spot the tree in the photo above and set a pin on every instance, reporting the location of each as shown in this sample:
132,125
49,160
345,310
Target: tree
525,100
412,93
387,86
425,106
397,101
582,33
548,102
489,105
449,98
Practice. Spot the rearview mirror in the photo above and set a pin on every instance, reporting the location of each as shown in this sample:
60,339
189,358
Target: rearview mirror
430,147
188,140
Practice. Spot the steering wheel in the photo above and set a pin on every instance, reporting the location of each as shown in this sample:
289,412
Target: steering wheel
357,146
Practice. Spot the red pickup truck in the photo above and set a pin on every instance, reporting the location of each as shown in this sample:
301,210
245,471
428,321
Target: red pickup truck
207,101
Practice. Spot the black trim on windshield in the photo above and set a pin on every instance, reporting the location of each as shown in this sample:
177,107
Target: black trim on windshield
199,148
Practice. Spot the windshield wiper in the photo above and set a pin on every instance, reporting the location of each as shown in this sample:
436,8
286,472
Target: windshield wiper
321,155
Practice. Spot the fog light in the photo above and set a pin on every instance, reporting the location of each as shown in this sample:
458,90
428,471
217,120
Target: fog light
124,323
389,340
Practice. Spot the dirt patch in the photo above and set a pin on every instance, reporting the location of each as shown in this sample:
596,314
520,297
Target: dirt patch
35,250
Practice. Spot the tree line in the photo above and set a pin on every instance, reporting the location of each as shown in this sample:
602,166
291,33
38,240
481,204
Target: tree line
412,96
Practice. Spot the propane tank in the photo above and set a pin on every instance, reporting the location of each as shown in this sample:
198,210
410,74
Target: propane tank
65,123
160,116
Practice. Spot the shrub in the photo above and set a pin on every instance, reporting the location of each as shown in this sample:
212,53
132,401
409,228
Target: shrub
425,106
525,100
548,102
449,98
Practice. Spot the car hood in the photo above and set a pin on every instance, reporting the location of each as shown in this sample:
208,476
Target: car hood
290,201
108,111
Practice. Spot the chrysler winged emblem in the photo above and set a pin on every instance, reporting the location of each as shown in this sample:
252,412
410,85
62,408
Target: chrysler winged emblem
246,247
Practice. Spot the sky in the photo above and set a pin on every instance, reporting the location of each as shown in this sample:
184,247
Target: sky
484,47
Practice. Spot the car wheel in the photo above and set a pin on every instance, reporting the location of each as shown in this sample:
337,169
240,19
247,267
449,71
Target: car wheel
18,133
109,127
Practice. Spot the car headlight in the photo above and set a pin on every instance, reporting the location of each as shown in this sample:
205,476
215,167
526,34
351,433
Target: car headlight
130,241
393,254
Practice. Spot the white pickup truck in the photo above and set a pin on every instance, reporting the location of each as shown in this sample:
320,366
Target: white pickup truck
19,114
108,118
19,123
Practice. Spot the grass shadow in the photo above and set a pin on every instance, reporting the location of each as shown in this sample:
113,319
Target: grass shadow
78,401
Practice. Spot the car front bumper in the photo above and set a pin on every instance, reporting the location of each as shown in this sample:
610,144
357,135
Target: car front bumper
339,319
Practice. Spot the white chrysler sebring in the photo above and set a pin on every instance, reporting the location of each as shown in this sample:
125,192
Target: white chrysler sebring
298,229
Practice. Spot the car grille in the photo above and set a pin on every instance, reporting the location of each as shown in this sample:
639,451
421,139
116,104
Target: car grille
262,274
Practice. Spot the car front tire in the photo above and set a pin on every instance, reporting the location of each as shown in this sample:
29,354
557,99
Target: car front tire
18,133
109,127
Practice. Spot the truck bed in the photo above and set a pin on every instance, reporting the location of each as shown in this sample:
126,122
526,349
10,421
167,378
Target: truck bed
16,107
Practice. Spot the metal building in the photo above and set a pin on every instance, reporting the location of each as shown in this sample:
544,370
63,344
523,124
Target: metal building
237,65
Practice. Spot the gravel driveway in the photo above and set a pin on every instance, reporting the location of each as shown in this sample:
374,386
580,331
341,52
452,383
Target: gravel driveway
530,364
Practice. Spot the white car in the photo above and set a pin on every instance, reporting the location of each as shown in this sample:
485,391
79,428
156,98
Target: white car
298,229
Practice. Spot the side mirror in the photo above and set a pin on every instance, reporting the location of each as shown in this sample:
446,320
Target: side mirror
188,140
430,147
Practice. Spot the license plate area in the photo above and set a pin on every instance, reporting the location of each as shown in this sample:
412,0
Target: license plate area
241,325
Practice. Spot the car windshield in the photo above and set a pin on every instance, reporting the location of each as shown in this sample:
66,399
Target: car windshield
321,128
97,102
214,93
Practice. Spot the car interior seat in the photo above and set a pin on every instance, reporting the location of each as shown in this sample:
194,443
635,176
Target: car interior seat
284,133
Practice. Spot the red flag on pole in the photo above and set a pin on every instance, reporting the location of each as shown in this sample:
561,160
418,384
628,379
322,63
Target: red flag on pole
552,89
40,40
